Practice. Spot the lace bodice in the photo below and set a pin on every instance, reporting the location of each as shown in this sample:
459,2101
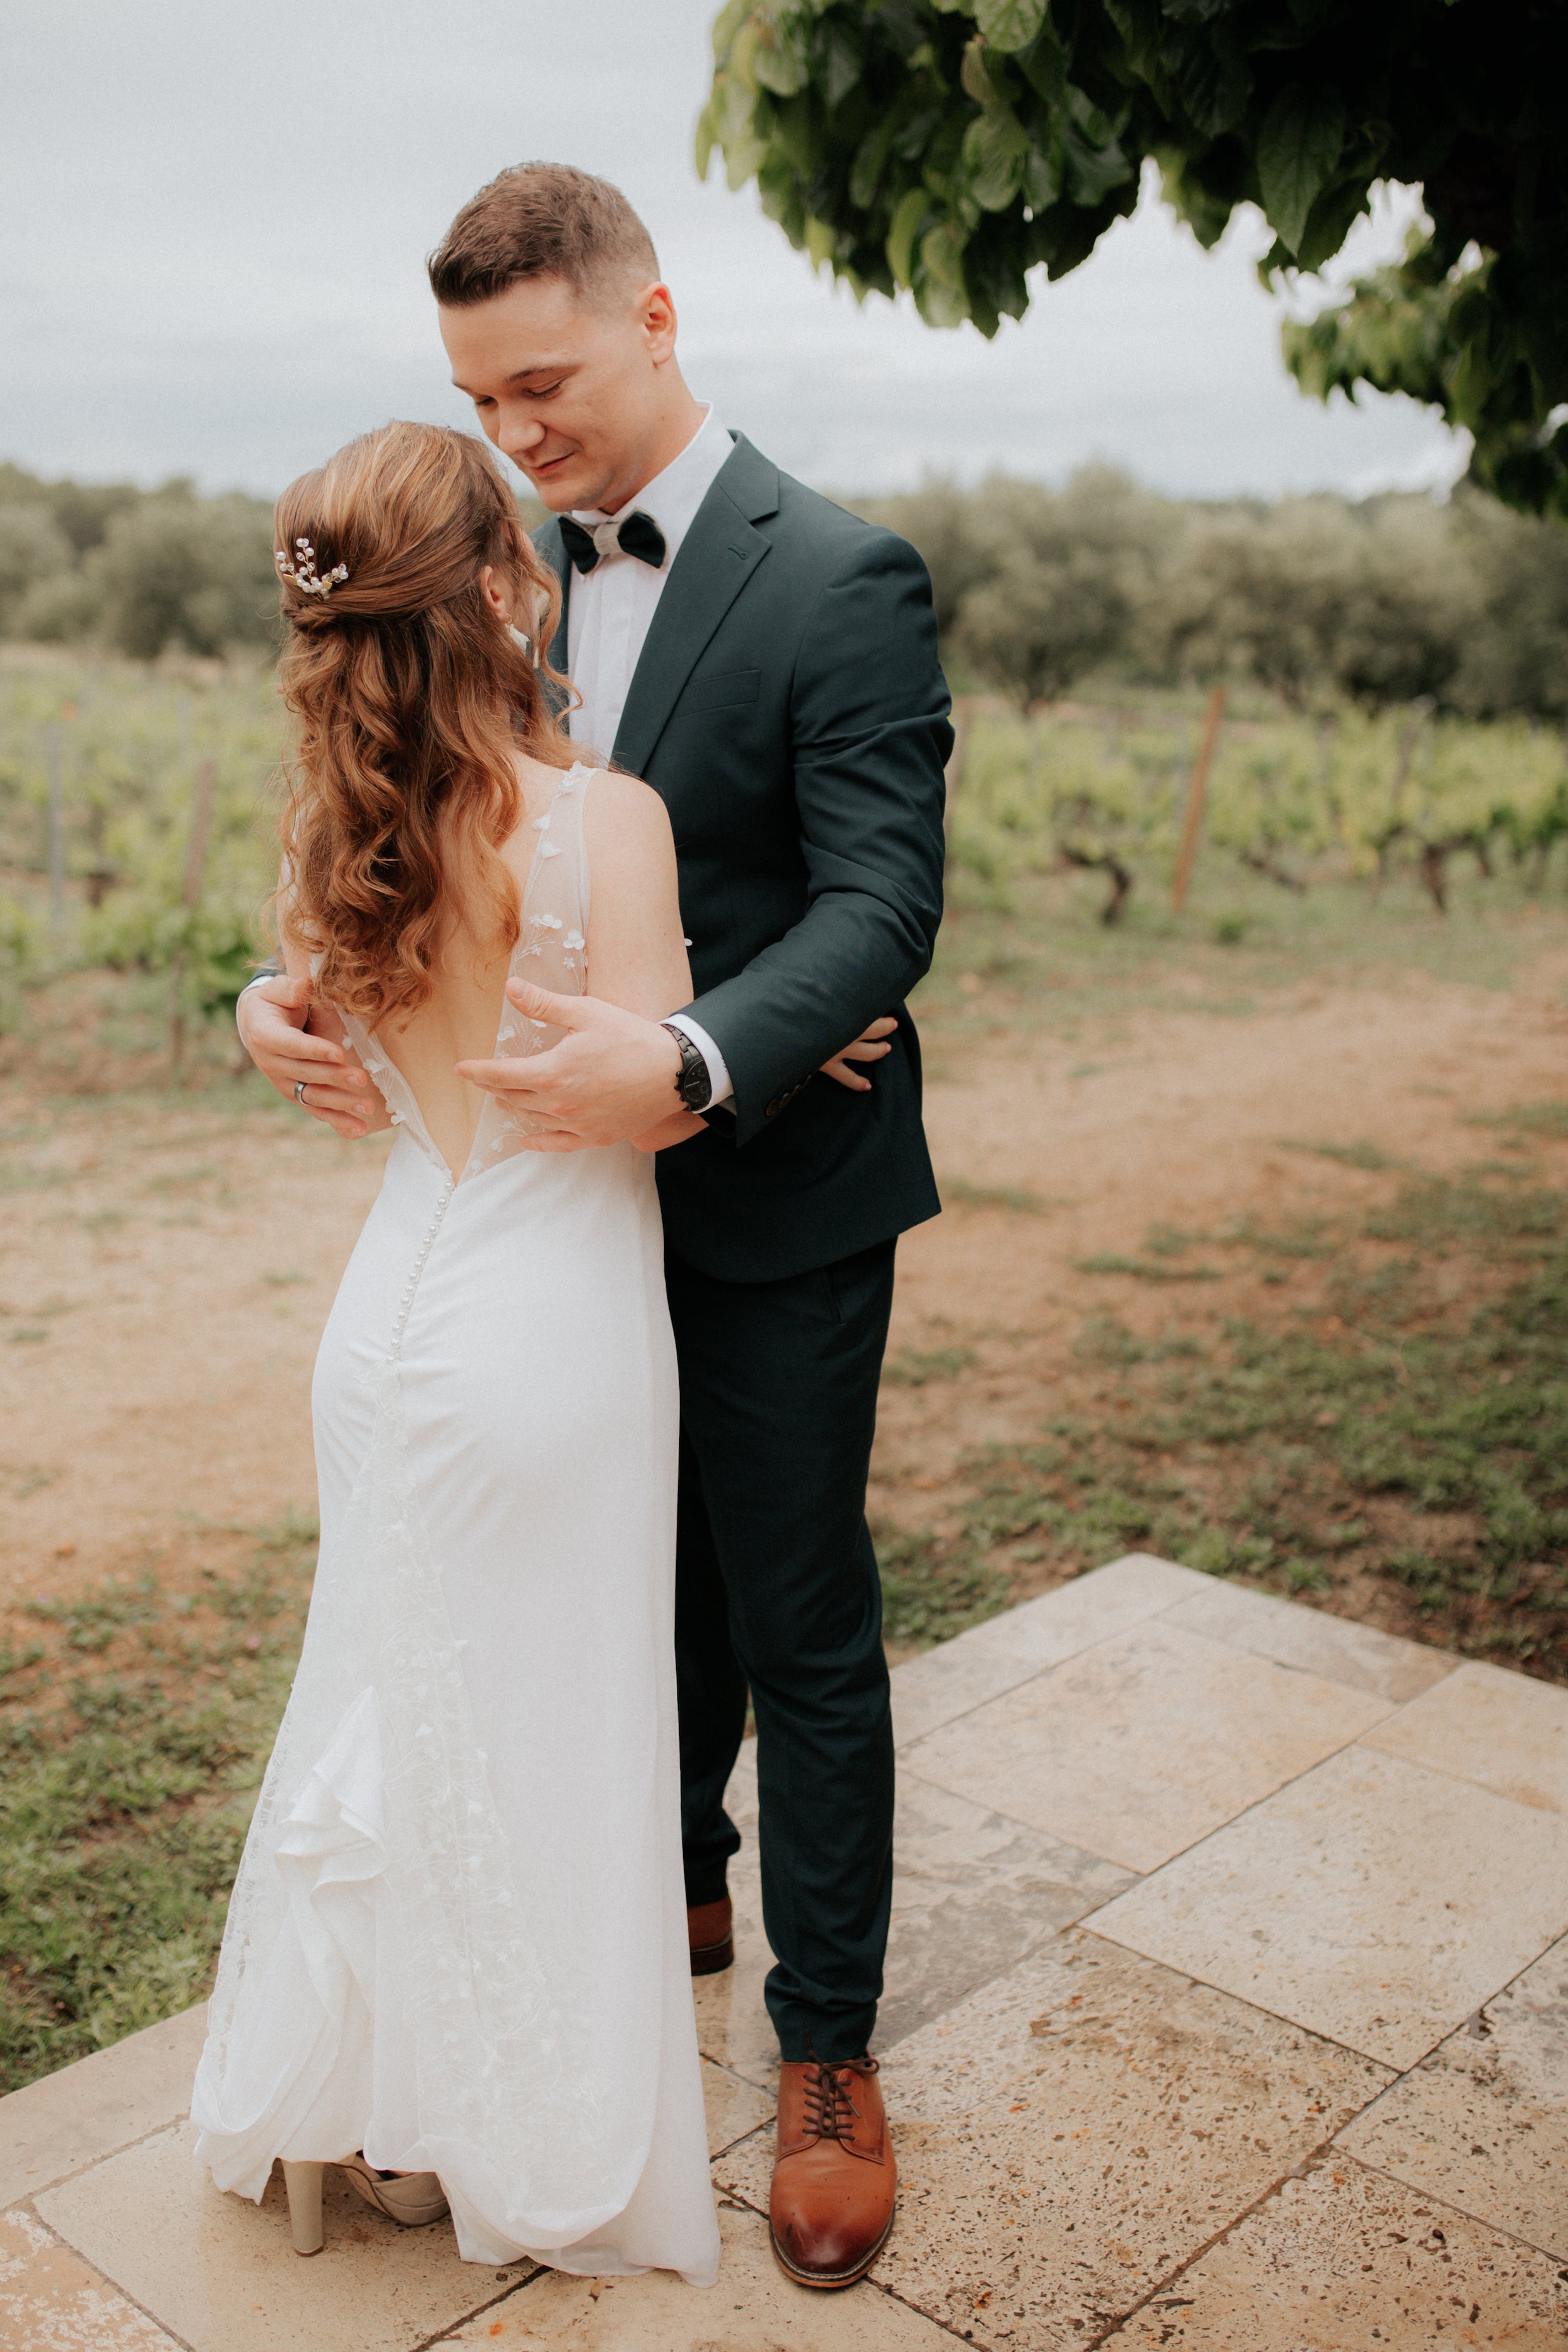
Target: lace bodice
550,951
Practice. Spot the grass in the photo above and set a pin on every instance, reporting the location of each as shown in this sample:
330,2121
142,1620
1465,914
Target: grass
1370,1156
931,1591
958,1192
134,1733
1148,1269
1549,1119
1398,1447
1030,956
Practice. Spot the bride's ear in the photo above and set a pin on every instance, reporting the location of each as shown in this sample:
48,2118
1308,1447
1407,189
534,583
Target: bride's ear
496,590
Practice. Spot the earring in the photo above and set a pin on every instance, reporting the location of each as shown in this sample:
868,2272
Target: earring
525,644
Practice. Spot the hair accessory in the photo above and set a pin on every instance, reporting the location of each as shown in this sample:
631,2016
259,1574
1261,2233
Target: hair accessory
302,574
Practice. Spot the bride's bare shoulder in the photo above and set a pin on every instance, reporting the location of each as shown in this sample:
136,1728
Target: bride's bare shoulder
624,819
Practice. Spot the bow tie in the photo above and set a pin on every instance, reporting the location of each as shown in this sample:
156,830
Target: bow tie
636,534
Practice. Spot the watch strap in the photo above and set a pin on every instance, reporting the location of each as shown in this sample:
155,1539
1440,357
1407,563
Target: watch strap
695,1083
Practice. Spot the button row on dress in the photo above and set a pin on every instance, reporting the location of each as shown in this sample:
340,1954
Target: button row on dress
412,1284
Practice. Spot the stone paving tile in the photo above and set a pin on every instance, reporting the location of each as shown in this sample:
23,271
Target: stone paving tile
733,2107
51,2302
949,1682
220,2273
754,2308
973,1894
1144,1744
1342,2261
1335,1647
1009,1649
1502,1731
1483,2122
73,2117
1092,1608
1372,1900
1075,2131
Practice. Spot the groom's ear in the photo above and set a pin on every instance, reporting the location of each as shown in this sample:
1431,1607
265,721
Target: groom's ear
656,320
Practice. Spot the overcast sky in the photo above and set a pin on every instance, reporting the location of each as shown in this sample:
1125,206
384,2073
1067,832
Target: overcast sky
215,218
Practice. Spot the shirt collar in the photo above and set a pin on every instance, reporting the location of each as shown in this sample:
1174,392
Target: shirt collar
673,497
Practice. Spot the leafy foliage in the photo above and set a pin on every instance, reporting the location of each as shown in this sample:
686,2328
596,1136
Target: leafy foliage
1313,599
142,569
951,146
1352,793
127,744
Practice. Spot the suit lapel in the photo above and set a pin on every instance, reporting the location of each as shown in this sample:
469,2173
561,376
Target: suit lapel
718,556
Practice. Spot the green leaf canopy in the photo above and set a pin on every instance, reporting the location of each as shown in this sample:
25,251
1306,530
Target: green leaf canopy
950,147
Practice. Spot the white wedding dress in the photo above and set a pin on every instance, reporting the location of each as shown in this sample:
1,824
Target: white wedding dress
458,1939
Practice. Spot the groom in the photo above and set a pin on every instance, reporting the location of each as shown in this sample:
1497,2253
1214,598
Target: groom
768,663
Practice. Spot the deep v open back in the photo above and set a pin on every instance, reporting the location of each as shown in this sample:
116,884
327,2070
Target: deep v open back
458,1938
550,951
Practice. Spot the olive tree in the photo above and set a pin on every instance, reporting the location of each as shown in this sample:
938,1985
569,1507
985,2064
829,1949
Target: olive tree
951,147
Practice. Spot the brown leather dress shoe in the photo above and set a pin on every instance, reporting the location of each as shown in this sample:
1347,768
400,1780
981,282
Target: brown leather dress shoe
709,1931
835,2180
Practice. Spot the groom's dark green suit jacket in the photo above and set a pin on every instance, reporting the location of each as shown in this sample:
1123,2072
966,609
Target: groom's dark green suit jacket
789,709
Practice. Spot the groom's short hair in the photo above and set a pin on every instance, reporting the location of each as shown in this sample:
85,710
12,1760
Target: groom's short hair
539,220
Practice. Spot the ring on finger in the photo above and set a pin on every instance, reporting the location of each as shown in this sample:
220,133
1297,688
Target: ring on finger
299,1087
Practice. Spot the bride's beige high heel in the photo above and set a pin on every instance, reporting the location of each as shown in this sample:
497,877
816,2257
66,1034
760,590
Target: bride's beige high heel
412,2199
303,2182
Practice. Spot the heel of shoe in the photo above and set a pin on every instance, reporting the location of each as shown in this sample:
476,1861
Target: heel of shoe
303,2183
710,1959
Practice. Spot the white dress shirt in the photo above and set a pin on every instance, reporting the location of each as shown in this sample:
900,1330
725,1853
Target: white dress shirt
608,616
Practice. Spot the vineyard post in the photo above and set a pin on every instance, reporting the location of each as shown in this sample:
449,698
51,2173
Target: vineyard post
202,799
1192,823
55,766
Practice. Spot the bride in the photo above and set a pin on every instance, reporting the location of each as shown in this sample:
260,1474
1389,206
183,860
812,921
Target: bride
455,1958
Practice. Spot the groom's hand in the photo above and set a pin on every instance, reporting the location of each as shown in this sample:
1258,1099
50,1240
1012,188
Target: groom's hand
610,1078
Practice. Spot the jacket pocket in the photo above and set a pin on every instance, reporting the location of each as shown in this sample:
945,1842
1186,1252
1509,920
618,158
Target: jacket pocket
731,686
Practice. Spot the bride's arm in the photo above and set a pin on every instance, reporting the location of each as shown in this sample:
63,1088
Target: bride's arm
637,950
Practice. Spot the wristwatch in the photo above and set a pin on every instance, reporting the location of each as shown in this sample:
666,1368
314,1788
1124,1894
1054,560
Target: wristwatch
694,1086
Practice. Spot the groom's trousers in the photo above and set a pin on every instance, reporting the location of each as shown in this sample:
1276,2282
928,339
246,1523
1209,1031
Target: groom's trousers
777,1594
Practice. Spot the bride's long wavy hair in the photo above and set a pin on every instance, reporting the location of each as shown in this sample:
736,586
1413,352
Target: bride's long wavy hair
409,698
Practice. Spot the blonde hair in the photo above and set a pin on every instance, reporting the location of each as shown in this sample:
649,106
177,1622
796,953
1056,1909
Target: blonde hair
409,696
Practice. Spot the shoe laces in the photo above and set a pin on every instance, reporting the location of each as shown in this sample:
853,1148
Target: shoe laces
830,2107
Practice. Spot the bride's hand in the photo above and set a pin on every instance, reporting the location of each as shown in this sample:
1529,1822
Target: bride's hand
865,1048
295,1040
673,1130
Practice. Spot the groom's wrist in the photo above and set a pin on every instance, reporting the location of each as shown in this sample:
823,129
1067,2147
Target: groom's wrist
721,1086
693,1080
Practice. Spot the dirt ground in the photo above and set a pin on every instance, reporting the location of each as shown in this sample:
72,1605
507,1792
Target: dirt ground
1188,1120
167,1264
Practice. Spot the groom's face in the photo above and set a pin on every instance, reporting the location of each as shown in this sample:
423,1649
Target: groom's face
570,386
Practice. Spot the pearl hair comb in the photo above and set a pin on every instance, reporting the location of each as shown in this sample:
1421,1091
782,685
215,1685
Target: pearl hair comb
302,573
